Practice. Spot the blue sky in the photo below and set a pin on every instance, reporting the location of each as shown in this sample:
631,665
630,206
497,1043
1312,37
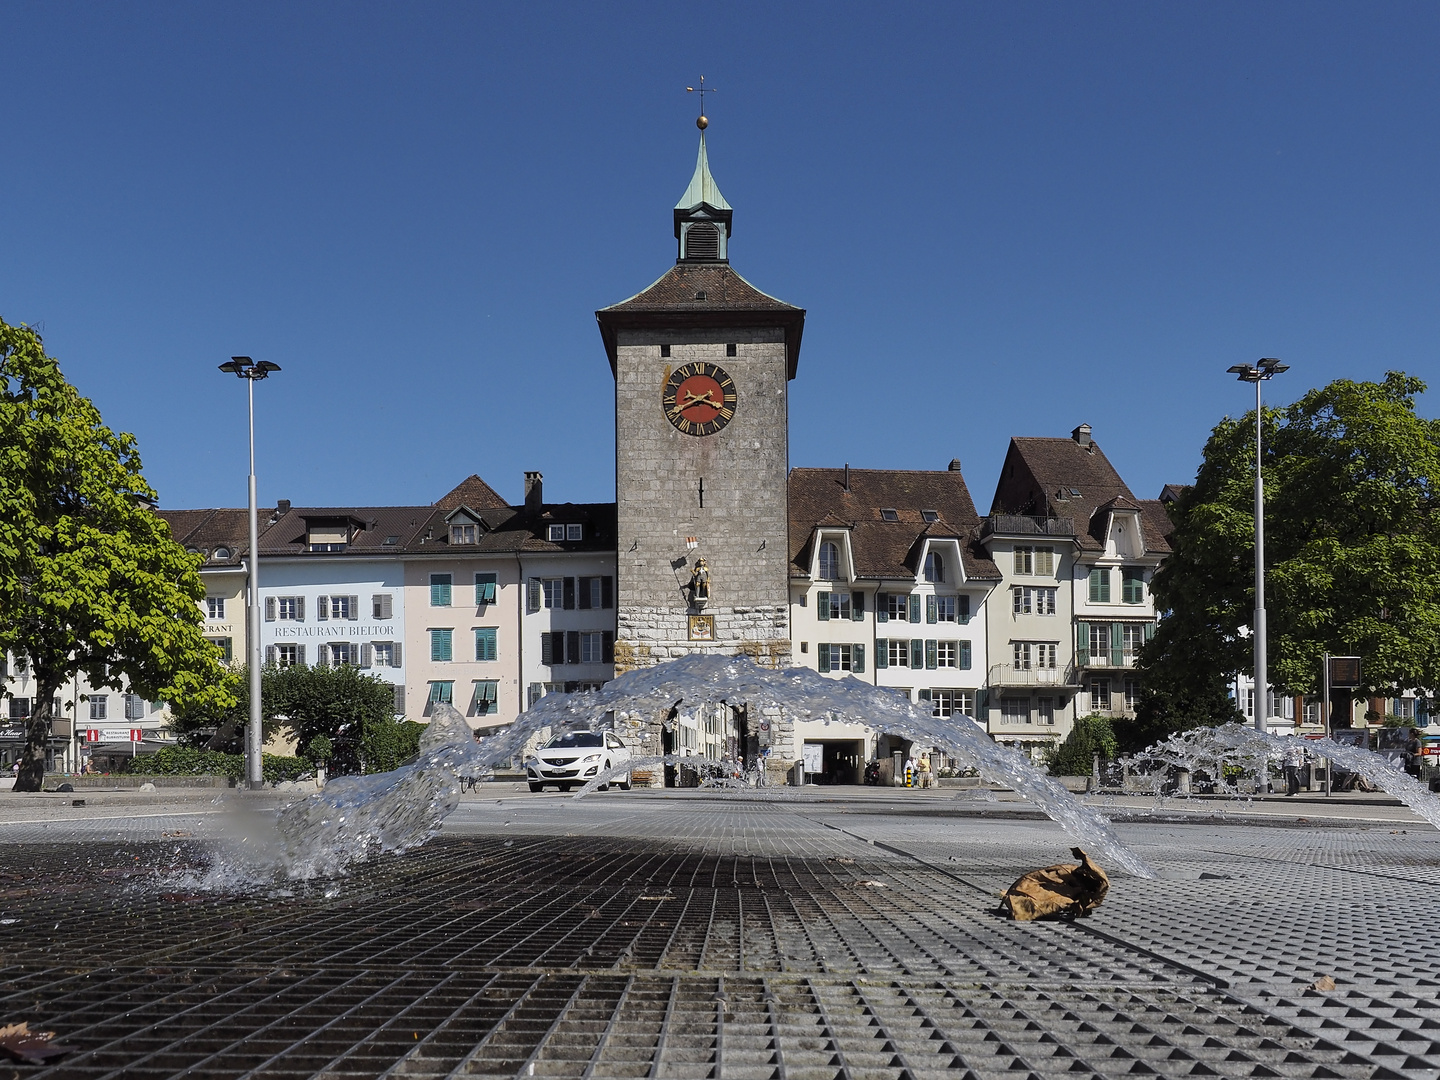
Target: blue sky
1003,219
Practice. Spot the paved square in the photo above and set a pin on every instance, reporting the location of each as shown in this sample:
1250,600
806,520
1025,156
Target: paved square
684,935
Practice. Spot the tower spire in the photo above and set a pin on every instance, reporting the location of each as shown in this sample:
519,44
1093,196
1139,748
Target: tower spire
702,216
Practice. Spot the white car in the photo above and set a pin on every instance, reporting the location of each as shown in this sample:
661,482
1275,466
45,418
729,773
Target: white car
576,757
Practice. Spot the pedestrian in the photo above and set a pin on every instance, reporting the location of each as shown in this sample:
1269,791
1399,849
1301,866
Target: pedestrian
923,768
1413,755
1294,765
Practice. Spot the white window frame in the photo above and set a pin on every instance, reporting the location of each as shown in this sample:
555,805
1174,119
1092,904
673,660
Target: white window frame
215,607
947,654
898,652
945,609
552,592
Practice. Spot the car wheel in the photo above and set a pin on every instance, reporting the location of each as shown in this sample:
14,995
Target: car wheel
625,784
536,787
604,787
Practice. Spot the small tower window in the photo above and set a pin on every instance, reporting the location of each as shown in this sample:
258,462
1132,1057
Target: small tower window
664,350
729,350
829,562
702,241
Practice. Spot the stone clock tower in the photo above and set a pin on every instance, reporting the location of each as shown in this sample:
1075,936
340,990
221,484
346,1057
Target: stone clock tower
702,362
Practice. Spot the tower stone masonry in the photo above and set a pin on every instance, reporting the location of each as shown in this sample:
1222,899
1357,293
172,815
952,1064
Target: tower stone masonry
702,362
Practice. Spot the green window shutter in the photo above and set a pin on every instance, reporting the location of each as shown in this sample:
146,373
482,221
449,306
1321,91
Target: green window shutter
857,659
822,655
857,607
1117,644
486,647
822,611
965,656
931,609
1149,630
439,590
532,596
963,609
1082,643
917,653
981,696
926,695
914,608
930,654
882,653
882,614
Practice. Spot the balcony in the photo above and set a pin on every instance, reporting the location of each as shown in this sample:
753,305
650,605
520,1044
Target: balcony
1106,662
1024,525
1005,675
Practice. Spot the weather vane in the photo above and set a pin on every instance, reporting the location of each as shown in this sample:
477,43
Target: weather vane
702,122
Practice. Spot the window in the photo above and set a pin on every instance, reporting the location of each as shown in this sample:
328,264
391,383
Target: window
947,653
442,693
1044,561
591,647
945,609
1015,710
829,562
837,604
1045,711
597,592
889,514
1099,693
1312,710
897,607
19,708
1100,585
1037,655
1028,600
1046,653
730,349
942,703
555,533
1099,643
934,567
383,654
214,607
1132,585
344,607
291,608
288,656
440,590
222,553
342,652
574,532
553,592
1403,708
486,646
1132,695
1020,655
462,534
484,589
841,657
898,652
441,645
382,606
487,693
1134,638
99,706
929,516
1024,560
134,707
664,350
227,648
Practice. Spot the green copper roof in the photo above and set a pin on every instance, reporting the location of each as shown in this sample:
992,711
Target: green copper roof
703,188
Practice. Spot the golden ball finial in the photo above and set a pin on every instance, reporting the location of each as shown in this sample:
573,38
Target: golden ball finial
702,122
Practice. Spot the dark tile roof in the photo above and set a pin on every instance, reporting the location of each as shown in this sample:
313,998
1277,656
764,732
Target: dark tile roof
885,549
1060,478
1170,492
729,301
474,493
286,533
516,529
209,530
1155,525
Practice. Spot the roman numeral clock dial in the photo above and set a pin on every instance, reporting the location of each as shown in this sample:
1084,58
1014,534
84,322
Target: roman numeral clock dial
699,398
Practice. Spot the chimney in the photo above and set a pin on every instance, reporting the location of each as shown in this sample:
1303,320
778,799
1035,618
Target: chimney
1082,435
282,506
534,498
954,464
847,476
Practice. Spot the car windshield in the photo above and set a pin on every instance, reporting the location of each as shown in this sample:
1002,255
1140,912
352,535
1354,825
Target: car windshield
576,738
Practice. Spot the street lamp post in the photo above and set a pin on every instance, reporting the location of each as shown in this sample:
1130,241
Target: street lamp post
1263,371
250,371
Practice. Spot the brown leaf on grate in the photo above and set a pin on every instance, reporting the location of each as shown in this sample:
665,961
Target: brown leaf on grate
1324,982
21,1043
1064,891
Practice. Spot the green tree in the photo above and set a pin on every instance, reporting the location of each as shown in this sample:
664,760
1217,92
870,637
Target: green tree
1352,547
353,710
1075,756
221,725
90,579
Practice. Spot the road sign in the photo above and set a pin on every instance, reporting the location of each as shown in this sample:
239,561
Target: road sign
92,734
137,734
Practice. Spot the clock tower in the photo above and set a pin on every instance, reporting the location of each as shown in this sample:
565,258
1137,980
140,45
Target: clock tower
702,362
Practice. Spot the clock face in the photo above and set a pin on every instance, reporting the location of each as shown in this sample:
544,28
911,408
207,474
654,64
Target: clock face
699,398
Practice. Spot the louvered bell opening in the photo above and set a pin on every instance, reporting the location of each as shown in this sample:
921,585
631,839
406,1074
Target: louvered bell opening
702,241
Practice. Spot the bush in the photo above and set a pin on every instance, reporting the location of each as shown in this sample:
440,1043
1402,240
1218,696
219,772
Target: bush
188,761
1076,755
389,745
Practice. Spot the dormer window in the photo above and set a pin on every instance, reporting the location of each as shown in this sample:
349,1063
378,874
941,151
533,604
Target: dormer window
327,536
829,562
889,515
222,553
934,567
558,533
929,516
462,534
